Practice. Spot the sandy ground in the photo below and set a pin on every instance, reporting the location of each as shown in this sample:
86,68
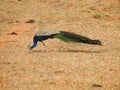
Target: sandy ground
59,65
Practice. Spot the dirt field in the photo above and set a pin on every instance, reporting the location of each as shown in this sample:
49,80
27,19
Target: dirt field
59,65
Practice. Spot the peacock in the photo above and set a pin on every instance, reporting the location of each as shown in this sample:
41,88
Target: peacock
62,35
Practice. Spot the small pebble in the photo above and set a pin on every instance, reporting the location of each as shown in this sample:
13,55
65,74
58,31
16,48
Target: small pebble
30,21
12,33
96,85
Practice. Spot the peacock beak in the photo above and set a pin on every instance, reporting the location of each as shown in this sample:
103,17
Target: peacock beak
29,46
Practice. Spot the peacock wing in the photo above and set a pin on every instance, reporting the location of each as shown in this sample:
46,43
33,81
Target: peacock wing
47,32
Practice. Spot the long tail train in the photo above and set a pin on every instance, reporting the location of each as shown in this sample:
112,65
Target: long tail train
71,37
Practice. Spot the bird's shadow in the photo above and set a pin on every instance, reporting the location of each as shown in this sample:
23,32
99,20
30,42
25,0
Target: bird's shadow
73,51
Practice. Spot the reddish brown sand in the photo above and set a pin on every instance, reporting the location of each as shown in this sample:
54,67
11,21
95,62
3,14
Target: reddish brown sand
59,65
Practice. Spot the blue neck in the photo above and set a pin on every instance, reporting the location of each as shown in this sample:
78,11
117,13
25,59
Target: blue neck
34,44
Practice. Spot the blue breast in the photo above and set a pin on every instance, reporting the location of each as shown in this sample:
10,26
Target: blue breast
41,38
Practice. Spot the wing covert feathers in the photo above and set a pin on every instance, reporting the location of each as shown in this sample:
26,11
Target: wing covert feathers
47,32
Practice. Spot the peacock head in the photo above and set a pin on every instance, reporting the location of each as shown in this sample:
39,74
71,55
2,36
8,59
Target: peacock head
32,46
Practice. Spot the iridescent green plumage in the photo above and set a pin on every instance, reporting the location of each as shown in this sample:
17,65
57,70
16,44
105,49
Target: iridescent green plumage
71,37
62,35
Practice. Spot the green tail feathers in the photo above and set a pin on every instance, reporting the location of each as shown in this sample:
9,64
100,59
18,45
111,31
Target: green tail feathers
65,39
71,37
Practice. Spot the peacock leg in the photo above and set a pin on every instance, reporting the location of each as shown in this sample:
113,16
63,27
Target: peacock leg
44,44
45,50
